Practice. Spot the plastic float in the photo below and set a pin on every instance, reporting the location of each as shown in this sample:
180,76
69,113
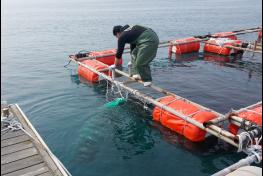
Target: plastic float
100,58
179,125
89,75
229,35
182,46
252,114
221,46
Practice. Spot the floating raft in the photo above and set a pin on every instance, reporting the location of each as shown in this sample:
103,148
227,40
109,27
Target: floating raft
214,43
23,151
176,106
181,115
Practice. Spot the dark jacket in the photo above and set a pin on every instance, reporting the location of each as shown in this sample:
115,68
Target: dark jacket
129,34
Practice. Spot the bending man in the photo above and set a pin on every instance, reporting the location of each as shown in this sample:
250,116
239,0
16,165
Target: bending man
143,44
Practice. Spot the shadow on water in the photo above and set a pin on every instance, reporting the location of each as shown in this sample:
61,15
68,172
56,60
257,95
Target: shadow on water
129,125
190,57
235,61
132,136
250,64
208,151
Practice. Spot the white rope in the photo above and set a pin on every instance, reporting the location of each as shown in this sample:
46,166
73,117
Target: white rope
259,140
12,125
240,137
119,90
107,91
257,156
252,149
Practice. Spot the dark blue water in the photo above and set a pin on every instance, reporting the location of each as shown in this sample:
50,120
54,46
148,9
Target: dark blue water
37,37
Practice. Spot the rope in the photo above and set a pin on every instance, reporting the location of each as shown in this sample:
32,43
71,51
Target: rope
119,90
241,142
107,90
255,150
67,64
257,156
249,144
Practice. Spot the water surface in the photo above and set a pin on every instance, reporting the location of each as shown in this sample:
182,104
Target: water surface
37,37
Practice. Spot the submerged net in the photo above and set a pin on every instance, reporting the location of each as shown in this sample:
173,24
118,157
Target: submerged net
115,102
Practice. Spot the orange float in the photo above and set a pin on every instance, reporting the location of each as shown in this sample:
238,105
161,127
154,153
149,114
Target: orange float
213,47
106,57
88,74
253,115
259,40
230,35
192,46
100,56
179,125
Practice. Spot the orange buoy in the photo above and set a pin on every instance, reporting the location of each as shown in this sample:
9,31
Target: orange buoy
259,40
192,46
253,115
88,74
230,35
218,46
100,56
179,125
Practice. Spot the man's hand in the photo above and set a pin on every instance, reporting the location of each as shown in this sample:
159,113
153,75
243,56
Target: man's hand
112,67
116,61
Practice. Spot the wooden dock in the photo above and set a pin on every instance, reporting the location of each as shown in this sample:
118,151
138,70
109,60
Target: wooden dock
23,152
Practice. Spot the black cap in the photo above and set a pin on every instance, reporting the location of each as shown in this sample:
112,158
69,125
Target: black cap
116,29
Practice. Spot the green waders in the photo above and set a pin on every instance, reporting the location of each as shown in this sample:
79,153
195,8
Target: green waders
144,52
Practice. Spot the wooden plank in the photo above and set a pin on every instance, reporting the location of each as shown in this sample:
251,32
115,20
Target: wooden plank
54,165
30,171
129,82
15,140
18,155
21,164
16,147
11,134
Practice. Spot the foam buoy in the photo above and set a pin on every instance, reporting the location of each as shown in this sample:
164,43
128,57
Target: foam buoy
88,74
190,45
229,35
179,125
259,40
219,46
253,115
101,56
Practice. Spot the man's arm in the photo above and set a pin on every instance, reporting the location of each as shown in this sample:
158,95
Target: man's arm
132,46
121,45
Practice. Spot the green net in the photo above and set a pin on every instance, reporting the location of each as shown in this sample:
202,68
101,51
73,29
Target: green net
114,103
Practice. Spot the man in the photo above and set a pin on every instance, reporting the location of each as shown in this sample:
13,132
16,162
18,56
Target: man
143,44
